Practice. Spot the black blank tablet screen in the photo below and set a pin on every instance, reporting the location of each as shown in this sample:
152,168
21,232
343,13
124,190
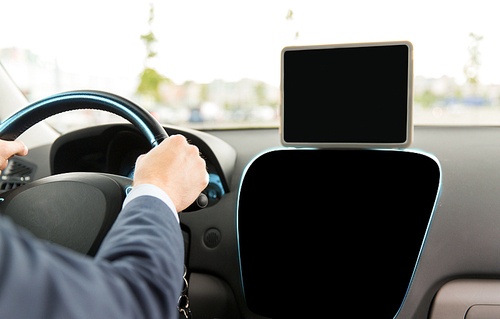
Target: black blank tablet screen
346,95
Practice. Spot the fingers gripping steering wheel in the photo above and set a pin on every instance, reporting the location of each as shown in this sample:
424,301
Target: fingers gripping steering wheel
75,210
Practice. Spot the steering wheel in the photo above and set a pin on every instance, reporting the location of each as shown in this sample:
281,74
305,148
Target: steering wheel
75,210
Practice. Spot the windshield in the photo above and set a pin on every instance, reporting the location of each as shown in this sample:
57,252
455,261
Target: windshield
211,64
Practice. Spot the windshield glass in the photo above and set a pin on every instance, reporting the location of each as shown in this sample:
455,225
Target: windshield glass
210,64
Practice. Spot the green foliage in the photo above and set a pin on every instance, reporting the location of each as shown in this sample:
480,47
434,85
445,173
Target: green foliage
150,81
471,68
289,17
426,99
148,38
203,92
260,93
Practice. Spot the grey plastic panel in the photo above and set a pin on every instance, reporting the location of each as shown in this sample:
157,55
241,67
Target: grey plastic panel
483,312
464,237
467,298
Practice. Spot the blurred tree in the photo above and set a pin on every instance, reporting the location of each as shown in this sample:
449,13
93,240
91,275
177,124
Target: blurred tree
471,68
426,99
260,93
289,17
150,79
203,92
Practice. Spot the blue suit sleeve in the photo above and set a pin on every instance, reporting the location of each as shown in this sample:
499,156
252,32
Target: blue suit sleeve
137,272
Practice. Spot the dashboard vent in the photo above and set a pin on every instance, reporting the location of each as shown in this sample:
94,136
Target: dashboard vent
18,172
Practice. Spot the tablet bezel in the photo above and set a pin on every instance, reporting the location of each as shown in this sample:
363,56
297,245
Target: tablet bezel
336,145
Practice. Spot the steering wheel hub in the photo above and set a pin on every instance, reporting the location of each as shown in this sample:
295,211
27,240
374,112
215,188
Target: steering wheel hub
75,210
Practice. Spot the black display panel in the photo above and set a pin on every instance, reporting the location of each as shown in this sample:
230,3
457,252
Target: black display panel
359,94
322,232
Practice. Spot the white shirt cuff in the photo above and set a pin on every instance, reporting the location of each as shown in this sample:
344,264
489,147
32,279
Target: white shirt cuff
151,190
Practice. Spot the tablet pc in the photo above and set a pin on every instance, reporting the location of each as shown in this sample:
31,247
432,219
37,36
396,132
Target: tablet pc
355,95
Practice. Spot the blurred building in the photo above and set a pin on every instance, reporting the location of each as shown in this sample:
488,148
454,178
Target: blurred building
218,101
221,100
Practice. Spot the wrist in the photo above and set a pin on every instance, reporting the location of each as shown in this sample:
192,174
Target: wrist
146,189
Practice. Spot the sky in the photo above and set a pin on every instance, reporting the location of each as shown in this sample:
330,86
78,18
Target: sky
230,39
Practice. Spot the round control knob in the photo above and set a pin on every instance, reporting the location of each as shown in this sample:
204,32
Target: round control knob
202,201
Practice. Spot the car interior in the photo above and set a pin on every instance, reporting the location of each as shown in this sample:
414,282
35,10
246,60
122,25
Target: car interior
347,206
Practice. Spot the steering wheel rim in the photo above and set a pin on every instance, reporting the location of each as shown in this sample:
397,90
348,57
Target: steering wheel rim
15,125
87,203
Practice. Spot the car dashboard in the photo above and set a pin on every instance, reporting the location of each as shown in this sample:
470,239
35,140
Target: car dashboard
455,247
114,149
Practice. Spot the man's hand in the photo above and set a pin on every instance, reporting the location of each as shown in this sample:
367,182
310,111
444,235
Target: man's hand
9,149
176,167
